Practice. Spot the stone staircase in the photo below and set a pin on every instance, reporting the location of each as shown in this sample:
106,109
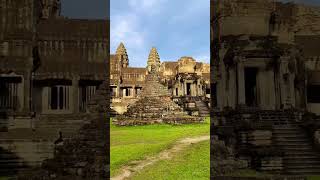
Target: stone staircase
204,110
152,107
153,88
300,157
154,101
10,164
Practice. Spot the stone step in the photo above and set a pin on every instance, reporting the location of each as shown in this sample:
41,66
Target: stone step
300,153
296,148
303,157
303,166
313,171
291,136
281,139
287,131
293,145
290,127
305,161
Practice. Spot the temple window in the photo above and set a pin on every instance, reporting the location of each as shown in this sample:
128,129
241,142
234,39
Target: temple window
59,98
8,95
86,93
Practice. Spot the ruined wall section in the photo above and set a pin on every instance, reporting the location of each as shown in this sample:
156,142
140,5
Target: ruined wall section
70,40
17,30
238,13
307,20
72,46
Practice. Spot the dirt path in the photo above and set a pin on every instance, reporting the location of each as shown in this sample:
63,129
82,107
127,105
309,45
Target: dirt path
136,166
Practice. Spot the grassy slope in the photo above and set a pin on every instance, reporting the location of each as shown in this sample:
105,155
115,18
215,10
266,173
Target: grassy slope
192,163
137,142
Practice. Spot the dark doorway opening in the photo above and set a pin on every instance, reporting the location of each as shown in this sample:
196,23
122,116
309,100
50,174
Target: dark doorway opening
188,89
127,92
251,86
177,92
54,99
313,93
213,94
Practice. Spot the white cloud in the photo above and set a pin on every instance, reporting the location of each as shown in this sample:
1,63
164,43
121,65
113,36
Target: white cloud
125,28
202,58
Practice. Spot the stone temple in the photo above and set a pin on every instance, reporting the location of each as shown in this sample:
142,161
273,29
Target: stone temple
154,104
185,81
265,75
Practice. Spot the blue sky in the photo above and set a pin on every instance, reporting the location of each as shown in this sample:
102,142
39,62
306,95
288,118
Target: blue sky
85,9
175,27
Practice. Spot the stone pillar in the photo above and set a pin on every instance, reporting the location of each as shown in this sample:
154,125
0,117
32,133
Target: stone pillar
20,94
26,102
241,84
75,94
180,89
45,99
124,92
118,91
185,88
194,89
134,91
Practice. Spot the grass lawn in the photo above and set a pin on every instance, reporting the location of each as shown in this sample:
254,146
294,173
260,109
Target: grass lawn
314,178
192,163
137,142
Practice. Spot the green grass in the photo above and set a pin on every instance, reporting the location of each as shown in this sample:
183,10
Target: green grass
137,142
192,163
314,178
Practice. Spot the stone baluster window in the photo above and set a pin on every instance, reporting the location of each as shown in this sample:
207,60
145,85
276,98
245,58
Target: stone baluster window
59,98
86,93
8,95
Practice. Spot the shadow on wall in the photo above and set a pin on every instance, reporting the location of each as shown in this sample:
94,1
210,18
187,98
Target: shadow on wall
10,163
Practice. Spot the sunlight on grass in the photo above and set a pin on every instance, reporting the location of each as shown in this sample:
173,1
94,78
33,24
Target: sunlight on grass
137,142
192,163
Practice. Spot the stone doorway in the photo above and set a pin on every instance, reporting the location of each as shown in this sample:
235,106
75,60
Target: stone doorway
251,86
188,89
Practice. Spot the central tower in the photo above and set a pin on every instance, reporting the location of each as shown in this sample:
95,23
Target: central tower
153,63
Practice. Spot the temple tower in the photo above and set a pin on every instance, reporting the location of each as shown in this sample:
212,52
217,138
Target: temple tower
123,56
153,60
50,8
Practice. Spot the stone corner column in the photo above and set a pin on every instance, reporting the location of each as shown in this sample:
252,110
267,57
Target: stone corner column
75,94
25,104
241,83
